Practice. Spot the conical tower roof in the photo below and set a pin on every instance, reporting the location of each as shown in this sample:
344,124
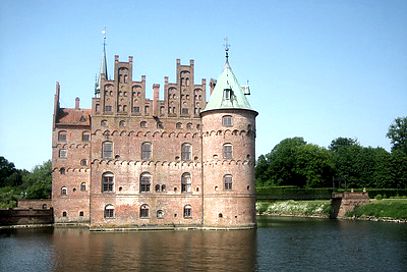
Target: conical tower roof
228,94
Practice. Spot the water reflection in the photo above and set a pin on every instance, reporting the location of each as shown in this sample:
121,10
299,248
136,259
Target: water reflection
279,244
155,251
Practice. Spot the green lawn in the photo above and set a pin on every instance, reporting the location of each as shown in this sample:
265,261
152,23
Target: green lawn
386,208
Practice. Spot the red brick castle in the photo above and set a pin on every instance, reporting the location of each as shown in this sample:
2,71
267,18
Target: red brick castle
137,162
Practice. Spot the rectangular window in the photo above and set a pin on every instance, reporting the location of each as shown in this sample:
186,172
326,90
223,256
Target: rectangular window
85,137
184,111
61,137
108,184
107,150
227,121
146,110
186,152
136,109
108,108
146,151
227,152
63,153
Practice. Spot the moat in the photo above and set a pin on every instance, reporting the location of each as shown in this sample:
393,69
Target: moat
278,244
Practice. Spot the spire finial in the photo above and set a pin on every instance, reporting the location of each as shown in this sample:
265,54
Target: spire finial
227,47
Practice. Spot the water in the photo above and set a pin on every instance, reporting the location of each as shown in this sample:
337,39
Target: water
279,244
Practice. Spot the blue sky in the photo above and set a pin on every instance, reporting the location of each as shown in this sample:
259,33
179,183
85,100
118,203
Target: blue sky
317,69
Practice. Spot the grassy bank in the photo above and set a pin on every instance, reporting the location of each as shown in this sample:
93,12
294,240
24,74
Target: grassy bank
382,209
319,208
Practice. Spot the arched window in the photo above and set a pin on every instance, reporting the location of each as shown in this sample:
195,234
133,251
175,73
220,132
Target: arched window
160,214
81,213
187,211
83,186
146,151
145,182
143,124
227,121
64,214
107,182
64,191
85,136
122,123
189,126
227,181
103,123
186,182
107,150
62,171
163,188
144,211
62,136
227,151
157,187
109,211
63,153
186,152
83,162
178,125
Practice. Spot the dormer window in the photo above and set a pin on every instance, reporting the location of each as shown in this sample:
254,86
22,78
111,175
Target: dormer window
227,94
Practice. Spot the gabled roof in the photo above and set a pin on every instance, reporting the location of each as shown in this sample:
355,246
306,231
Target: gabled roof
76,117
236,98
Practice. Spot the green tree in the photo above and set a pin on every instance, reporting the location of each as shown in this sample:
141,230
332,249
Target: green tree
38,183
294,162
399,169
9,175
398,134
314,165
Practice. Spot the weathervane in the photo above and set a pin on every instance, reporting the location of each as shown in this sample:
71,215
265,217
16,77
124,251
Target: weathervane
104,37
227,47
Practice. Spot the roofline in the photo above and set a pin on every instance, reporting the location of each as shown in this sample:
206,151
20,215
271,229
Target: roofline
227,110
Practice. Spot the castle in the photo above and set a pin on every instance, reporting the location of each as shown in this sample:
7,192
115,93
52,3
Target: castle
135,162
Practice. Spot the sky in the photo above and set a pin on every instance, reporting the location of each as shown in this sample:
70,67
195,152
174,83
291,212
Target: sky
317,69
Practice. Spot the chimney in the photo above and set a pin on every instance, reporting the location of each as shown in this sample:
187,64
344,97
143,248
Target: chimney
156,96
77,103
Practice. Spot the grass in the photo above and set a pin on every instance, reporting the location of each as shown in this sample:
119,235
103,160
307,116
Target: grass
320,208
386,208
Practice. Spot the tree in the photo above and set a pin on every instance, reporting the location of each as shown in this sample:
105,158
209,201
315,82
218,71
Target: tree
294,162
341,142
37,184
9,175
398,134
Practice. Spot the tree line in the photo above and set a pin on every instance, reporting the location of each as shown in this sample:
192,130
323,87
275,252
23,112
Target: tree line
344,164
18,184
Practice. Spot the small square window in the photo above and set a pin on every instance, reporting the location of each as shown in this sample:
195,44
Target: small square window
63,153
108,108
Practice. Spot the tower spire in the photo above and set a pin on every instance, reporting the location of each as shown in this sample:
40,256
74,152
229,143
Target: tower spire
227,47
103,66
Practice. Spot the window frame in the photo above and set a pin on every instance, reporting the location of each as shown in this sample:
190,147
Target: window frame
144,211
186,152
85,136
105,153
227,121
62,136
64,191
228,151
186,182
228,182
187,212
109,212
83,187
108,182
146,153
63,153
145,182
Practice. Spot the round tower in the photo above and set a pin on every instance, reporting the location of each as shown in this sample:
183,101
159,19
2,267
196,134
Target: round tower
228,139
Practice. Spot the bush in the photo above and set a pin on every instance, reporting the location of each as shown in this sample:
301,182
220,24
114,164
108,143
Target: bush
378,197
